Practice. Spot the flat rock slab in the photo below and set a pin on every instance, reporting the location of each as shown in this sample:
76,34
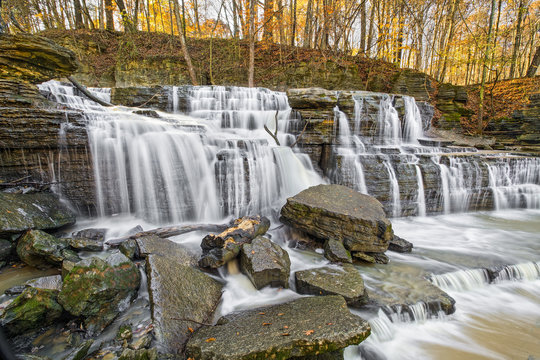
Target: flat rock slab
303,327
43,211
156,245
181,296
345,281
339,213
265,263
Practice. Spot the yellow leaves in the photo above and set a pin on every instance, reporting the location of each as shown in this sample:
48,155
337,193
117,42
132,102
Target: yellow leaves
209,340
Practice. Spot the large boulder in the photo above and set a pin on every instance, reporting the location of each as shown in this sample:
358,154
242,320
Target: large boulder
224,247
345,281
32,309
42,250
34,59
43,211
304,327
339,213
181,296
95,288
265,263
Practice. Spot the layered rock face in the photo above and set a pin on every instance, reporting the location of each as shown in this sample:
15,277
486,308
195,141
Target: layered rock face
40,142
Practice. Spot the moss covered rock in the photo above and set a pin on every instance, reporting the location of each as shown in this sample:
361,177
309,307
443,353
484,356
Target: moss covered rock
32,309
42,250
43,211
303,327
95,288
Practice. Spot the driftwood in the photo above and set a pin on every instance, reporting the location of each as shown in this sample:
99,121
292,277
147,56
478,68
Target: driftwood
169,231
274,135
87,93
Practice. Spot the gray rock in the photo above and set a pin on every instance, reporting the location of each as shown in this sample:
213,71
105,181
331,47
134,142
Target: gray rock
80,352
95,289
148,113
141,354
129,248
41,250
370,258
32,309
303,327
154,245
21,212
181,296
400,245
339,213
91,234
336,252
85,244
53,282
265,263
6,249
345,281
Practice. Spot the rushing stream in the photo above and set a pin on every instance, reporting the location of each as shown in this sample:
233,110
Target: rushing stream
220,163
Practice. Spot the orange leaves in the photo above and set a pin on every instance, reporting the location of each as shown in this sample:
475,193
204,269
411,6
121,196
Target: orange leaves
209,340
309,332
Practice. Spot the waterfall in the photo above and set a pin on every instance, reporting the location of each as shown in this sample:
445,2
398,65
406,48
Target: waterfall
461,280
215,163
412,128
396,203
420,198
527,271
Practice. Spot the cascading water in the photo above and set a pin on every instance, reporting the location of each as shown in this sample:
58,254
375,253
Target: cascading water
180,168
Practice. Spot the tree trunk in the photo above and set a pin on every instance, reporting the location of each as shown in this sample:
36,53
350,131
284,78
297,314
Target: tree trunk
308,26
183,44
128,25
455,4
268,19
251,67
293,16
78,14
363,28
371,29
484,69
109,15
517,41
531,71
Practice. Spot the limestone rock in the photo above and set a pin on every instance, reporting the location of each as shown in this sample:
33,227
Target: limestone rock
345,281
178,293
339,213
95,288
53,282
371,258
265,263
43,211
400,245
41,250
34,59
303,327
85,244
336,252
224,247
32,309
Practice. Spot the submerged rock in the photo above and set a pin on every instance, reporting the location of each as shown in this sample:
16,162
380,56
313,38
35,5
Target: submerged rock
222,248
304,327
336,252
181,296
265,263
95,288
43,211
41,250
32,309
400,245
339,213
345,281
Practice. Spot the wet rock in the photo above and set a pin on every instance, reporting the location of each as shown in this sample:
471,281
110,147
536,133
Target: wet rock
134,230
345,281
181,296
265,263
80,352
371,258
303,327
15,290
53,282
85,244
336,252
222,248
34,59
67,266
21,212
32,309
96,288
141,342
400,245
154,245
6,249
129,248
41,250
142,354
91,234
339,213
148,113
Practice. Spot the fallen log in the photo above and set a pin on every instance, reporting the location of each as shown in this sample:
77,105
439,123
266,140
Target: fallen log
169,231
87,93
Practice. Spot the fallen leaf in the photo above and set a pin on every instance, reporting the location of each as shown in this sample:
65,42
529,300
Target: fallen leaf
190,329
261,313
329,324
266,324
309,332
253,251
285,327
280,314
285,334
210,339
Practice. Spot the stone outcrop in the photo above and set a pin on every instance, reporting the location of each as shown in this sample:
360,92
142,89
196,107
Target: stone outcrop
95,289
34,59
21,212
345,281
265,263
39,249
305,327
339,213
181,296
